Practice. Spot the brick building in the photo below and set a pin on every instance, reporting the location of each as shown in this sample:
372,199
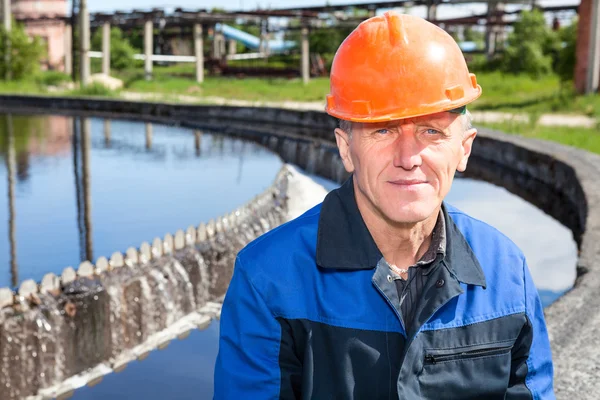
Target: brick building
586,10
52,32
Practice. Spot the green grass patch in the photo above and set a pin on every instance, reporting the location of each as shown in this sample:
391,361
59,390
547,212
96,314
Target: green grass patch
583,138
521,94
94,89
22,87
255,89
52,78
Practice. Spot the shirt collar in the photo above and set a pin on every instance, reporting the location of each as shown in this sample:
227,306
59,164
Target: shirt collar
344,241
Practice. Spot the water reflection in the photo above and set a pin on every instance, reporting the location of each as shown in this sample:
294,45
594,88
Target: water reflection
82,188
10,167
189,375
81,167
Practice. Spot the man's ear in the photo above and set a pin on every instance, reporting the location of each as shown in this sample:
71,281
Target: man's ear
343,143
467,145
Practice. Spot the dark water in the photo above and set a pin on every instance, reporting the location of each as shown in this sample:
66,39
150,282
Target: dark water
182,371
81,191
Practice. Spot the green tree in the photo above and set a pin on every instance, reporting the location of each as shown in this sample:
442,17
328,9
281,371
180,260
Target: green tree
565,66
25,53
121,51
471,35
532,46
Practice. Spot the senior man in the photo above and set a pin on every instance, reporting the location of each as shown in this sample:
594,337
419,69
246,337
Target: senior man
383,291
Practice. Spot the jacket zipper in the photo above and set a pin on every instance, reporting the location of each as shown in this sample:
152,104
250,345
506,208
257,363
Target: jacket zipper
436,358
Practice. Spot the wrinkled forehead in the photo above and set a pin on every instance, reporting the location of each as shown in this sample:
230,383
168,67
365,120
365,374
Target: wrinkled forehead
443,119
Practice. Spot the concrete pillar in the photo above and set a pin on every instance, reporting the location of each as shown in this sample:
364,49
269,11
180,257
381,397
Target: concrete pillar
495,14
6,15
305,66
262,36
84,34
232,47
460,33
148,136
68,50
217,46
223,45
6,23
106,48
199,52
593,70
148,47
266,44
432,10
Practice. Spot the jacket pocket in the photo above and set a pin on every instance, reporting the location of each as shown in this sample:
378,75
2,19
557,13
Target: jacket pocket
475,372
433,357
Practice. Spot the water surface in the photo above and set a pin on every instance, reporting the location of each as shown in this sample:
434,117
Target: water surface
84,188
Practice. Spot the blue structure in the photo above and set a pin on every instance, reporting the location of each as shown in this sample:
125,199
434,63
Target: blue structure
253,42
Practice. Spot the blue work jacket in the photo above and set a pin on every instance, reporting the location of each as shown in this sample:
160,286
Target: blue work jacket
311,313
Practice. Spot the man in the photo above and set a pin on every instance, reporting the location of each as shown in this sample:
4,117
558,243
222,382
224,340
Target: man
383,291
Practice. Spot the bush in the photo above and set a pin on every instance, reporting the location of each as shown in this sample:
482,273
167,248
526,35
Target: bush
532,46
121,51
94,89
565,67
25,52
526,58
52,78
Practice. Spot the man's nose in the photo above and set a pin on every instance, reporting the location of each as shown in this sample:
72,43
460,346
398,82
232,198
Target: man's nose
407,151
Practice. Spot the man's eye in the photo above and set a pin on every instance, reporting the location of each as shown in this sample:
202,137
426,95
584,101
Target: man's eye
432,131
383,131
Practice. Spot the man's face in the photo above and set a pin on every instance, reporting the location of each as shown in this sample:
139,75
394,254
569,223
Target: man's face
403,169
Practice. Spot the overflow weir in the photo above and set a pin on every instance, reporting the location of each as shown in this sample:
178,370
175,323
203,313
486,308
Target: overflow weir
64,332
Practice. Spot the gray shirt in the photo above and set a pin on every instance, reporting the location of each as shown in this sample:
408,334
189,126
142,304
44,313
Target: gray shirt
409,290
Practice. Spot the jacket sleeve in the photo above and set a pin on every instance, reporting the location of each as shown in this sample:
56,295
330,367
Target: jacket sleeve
248,363
532,370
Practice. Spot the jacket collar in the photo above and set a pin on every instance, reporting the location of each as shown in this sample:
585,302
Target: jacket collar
344,241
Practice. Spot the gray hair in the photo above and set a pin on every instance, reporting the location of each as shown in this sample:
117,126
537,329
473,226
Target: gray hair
346,126
467,122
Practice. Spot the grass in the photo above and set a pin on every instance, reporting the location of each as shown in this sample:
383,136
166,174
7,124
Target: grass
95,89
583,138
255,89
509,93
522,94
22,87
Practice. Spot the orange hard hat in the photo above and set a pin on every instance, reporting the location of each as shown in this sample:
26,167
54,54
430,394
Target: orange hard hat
398,66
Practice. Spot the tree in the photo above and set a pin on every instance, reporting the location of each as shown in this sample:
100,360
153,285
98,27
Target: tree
532,46
121,51
471,35
25,53
565,66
